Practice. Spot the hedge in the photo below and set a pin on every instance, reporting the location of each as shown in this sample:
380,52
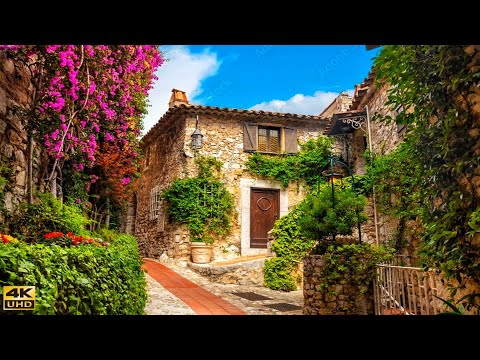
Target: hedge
83,279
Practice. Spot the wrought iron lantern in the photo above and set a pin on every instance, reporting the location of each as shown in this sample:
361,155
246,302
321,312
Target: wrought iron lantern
197,139
332,176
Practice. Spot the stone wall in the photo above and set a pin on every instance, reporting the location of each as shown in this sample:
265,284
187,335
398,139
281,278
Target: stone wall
15,96
317,302
341,104
167,162
384,139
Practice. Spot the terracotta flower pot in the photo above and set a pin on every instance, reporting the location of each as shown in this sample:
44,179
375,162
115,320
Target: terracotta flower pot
201,253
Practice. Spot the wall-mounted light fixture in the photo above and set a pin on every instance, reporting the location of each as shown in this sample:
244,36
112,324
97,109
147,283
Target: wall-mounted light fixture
197,139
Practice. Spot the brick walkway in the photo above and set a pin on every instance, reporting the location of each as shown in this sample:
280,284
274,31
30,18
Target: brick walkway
201,301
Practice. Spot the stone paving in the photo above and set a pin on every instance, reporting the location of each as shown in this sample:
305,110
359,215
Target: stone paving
162,302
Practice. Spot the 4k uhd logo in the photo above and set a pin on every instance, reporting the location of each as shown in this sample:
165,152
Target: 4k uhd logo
18,297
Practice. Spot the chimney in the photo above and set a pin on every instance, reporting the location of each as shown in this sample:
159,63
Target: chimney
178,97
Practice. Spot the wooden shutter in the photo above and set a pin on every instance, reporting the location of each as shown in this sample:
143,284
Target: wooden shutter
250,137
291,140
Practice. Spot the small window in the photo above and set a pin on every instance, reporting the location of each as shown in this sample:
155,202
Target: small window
269,139
155,203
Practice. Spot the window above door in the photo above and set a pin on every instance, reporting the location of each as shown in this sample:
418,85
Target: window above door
269,139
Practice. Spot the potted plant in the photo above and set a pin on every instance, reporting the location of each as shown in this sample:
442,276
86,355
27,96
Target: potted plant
202,249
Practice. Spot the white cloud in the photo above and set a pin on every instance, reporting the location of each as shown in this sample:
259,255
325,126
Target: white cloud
184,71
299,103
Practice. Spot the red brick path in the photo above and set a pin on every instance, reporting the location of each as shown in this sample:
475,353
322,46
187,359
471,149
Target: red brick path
198,299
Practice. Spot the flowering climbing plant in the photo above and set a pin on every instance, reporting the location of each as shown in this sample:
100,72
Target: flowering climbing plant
88,98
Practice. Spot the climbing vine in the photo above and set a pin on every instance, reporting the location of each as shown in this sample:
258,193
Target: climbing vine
305,166
397,179
202,203
290,247
353,265
437,85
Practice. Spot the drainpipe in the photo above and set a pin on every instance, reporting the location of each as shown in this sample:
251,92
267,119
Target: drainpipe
373,195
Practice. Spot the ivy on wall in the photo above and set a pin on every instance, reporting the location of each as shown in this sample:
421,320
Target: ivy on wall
353,265
438,86
307,165
290,247
202,203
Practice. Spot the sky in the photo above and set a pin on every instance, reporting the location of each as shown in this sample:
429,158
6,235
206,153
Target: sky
301,79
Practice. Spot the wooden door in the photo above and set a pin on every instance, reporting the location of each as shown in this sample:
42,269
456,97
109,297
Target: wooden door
264,210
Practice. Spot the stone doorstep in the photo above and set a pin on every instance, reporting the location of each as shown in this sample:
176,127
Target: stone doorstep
244,270
238,259
221,267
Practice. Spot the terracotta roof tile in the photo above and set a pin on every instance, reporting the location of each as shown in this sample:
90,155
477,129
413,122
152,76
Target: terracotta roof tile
191,109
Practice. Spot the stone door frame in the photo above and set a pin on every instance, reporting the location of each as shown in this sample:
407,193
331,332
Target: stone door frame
245,186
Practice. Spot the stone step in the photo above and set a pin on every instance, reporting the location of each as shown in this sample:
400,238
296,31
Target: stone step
243,270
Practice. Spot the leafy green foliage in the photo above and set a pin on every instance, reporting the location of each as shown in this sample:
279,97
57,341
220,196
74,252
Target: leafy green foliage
277,274
306,166
438,87
76,280
290,247
32,222
322,219
352,265
201,203
5,172
397,179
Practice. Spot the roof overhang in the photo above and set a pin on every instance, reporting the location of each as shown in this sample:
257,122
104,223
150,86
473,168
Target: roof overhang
347,122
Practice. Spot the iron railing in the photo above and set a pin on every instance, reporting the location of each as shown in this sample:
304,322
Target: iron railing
405,290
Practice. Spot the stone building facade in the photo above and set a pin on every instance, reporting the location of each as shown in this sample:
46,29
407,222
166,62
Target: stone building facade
230,135
356,130
15,148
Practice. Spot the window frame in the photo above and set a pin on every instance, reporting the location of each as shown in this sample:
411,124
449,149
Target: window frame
155,203
268,128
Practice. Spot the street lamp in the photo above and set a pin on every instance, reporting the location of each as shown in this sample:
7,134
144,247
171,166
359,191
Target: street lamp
333,160
197,139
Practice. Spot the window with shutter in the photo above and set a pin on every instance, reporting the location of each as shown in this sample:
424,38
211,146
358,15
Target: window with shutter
269,139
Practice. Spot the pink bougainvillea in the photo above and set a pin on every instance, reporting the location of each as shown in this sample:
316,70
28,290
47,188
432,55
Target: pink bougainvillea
87,95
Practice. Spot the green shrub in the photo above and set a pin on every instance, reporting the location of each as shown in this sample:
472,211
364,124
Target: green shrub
83,279
290,247
277,274
33,221
322,220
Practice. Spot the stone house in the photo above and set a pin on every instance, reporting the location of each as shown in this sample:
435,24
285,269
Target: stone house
230,135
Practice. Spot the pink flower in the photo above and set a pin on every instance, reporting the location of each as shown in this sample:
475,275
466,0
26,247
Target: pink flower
64,127
109,137
52,48
125,181
63,58
54,134
92,88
